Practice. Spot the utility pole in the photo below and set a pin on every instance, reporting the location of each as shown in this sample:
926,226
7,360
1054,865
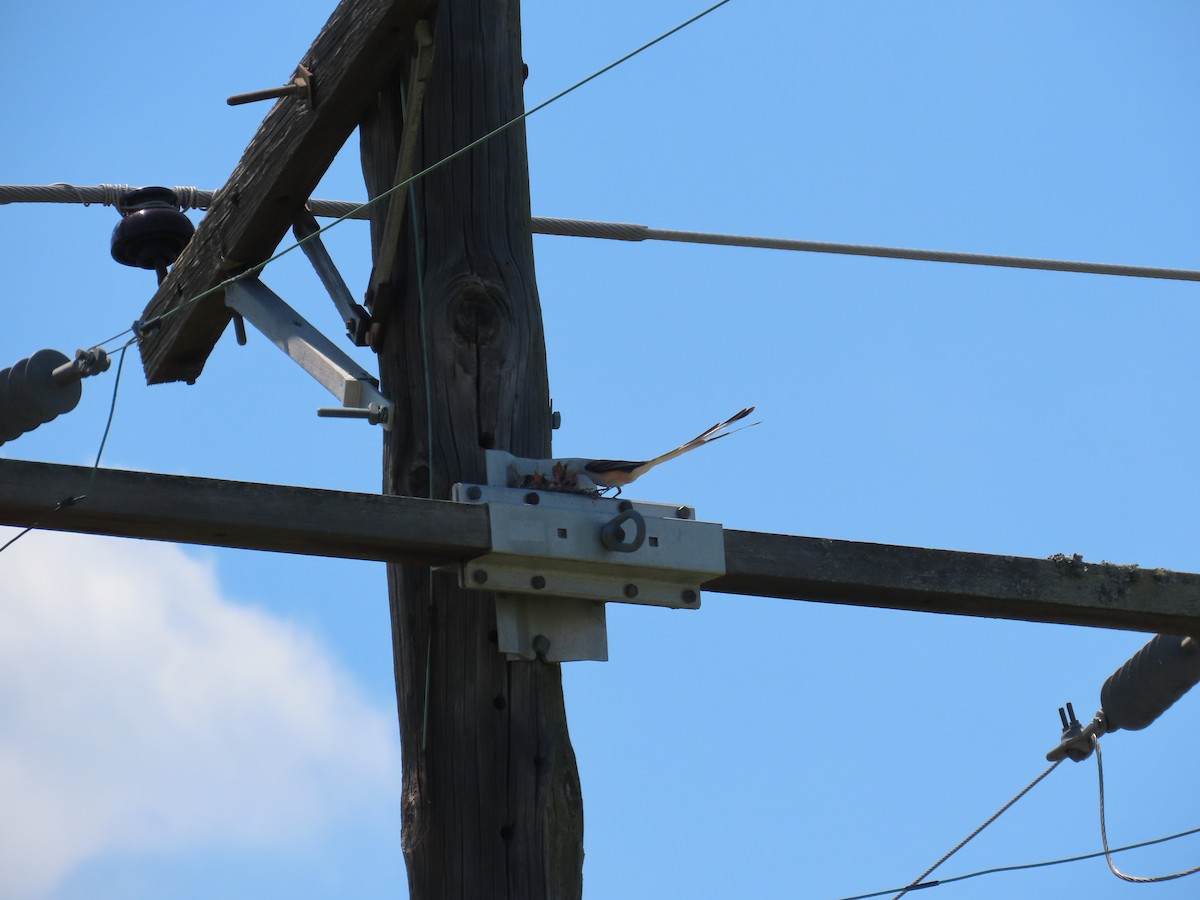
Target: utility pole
491,799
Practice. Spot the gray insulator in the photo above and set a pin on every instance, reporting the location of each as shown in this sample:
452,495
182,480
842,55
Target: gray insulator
1153,679
30,397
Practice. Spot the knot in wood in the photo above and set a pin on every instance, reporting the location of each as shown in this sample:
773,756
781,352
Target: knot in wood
480,312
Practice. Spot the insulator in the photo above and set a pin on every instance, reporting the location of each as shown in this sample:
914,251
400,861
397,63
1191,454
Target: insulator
1153,679
30,395
152,231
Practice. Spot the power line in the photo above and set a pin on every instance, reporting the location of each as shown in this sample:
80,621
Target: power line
624,231
1107,853
621,232
1136,879
1021,867
916,883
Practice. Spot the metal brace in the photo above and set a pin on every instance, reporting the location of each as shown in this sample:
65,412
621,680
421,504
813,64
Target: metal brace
355,389
356,319
558,557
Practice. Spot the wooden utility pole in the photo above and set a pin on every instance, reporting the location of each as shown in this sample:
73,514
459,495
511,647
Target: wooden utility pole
491,798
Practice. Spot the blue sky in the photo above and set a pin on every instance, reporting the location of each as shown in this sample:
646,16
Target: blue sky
191,722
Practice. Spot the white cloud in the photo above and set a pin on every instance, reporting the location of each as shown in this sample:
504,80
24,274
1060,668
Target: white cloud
140,710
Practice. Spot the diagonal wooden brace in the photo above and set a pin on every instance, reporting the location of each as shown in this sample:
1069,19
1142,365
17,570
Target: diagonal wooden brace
414,100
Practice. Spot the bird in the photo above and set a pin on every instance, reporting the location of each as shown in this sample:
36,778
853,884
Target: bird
607,474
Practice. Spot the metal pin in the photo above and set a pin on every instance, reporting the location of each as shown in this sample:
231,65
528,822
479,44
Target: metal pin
373,413
302,83
239,329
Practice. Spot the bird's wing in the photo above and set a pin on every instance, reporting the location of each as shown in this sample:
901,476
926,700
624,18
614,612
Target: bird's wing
613,465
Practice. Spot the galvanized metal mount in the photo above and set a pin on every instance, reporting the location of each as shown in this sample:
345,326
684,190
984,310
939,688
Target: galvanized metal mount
557,557
353,386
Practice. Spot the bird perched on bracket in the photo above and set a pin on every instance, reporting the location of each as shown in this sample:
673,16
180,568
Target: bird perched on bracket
616,473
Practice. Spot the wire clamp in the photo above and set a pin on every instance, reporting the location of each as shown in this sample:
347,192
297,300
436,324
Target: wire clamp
1076,743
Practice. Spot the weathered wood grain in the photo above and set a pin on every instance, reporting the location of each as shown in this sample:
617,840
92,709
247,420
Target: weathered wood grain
492,803
1063,590
241,514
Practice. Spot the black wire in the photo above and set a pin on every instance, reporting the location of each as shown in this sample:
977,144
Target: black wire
1023,866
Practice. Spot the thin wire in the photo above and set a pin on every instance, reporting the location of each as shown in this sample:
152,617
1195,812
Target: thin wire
20,534
1037,865
624,232
70,501
112,407
917,881
357,211
419,269
1136,879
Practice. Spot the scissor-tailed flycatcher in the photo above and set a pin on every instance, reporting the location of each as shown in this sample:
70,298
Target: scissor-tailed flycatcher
616,473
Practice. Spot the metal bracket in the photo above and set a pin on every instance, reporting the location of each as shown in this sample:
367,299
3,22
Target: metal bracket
355,388
356,319
557,557
577,545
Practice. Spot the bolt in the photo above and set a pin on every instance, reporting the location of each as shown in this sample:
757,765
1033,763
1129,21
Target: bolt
474,492
690,596
479,576
631,591
269,94
541,645
532,498
538,582
684,512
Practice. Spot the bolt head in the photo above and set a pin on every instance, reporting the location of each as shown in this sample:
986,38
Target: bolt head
631,591
479,576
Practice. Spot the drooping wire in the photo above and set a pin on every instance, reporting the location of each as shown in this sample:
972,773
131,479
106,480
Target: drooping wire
71,500
1021,867
1136,879
625,231
916,883
112,407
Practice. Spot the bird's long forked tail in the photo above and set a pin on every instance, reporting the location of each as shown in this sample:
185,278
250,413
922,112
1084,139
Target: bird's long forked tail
718,431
